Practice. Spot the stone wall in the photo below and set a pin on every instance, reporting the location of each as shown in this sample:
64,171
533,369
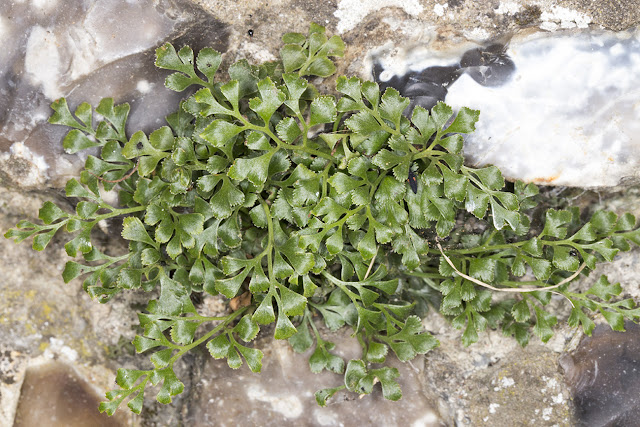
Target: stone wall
86,51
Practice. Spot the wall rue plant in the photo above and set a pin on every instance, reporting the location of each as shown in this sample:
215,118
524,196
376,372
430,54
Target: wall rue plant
314,208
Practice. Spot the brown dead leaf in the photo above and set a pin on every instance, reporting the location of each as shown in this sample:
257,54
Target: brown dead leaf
240,301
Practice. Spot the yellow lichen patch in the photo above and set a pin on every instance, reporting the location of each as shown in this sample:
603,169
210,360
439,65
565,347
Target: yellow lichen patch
46,310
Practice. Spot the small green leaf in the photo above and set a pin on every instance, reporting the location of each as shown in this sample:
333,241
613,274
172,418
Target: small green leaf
521,312
322,396
321,359
86,209
229,287
563,259
302,340
219,346
72,270
343,183
604,290
143,344
210,105
160,359
208,61
334,243
254,169
393,105
441,114
578,317
116,115
356,371
75,189
171,385
284,328
470,334
246,329
135,404
253,356
80,243
321,67
271,98
483,269
502,216
50,212
490,177
127,378
390,388
226,199
134,230
555,223
294,38
544,324
174,299
363,123
62,115
183,331
455,185
615,320
293,57
77,141
465,121
322,110
220,132
367,246
288,130
293,304
264,314
377,352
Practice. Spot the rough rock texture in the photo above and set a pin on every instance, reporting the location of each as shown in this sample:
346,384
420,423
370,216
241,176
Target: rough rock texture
53,394
602,366
283,393
495,382
84,52
533,102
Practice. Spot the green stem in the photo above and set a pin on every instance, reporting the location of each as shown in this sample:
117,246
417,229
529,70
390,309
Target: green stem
269,248
208,335
116,212
425,275
267,131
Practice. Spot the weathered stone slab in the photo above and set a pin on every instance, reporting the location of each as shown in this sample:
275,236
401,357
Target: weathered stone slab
555,108
283,393
604,376
84,51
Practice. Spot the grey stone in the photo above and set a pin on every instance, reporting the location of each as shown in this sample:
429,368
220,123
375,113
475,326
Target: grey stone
283,393
555,108
493,383
55,395
85,51
604,376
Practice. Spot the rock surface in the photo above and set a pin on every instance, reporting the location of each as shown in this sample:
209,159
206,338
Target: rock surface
86,51
283,393
543,118
598,370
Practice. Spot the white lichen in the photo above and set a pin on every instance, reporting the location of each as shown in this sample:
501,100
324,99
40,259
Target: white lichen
508,7
42,61
351,12
290,406
438,9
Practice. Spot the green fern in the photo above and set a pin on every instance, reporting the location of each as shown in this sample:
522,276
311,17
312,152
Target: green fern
327,207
